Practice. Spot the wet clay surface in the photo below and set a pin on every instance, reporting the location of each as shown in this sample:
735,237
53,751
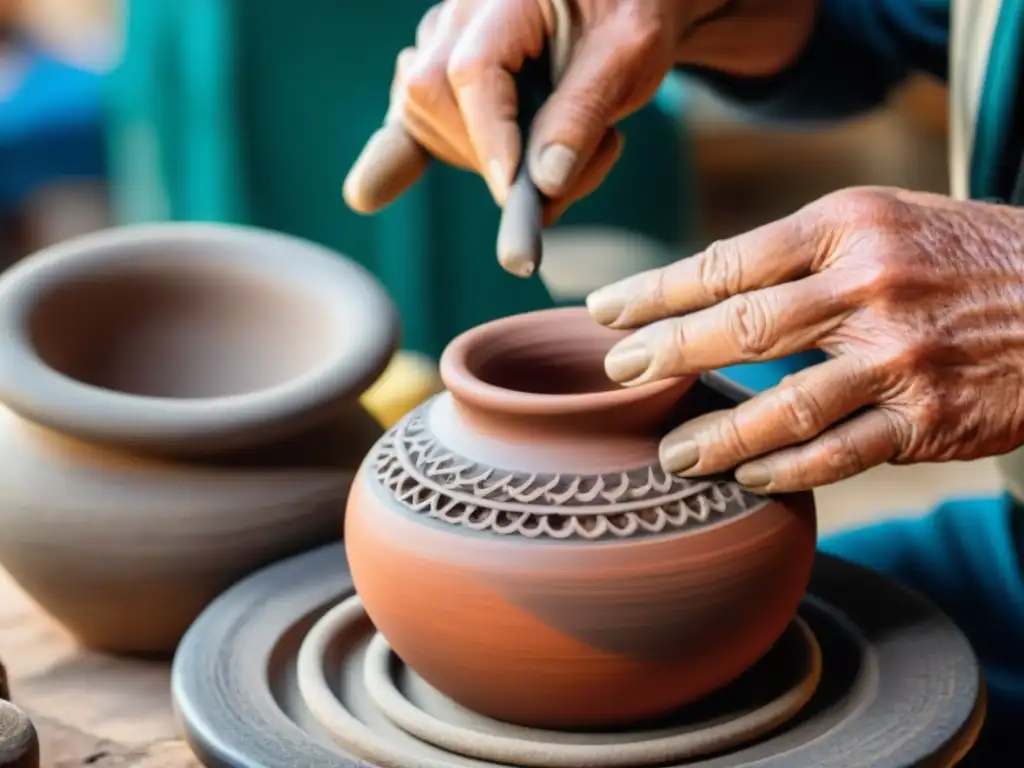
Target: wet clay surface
523,516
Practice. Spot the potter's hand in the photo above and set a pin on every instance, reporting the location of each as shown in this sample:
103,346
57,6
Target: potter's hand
918,300
455,94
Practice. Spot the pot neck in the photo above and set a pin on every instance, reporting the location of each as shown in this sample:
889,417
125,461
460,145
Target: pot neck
585,439
524,416
542,373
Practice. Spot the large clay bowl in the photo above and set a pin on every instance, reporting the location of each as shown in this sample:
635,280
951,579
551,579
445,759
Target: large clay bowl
518,546
179,408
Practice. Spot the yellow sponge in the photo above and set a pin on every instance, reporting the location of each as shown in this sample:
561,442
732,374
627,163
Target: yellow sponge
408,380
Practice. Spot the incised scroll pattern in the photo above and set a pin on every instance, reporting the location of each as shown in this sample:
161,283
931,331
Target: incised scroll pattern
428,478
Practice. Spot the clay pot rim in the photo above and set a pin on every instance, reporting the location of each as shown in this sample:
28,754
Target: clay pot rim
466,386
49,398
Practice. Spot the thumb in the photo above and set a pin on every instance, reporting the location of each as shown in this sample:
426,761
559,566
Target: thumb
615,69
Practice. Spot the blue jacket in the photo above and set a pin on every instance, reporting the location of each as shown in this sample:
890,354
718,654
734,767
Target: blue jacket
861,50
967,554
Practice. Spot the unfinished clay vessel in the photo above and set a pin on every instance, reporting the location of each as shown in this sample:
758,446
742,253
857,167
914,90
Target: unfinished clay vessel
516,542
179,409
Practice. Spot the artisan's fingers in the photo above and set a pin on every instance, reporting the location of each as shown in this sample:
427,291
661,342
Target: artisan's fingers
608,153
750,327
390,163
436,143
775,253
616,67
426,30
800,408
863,442
494,45
429,109
402,109
392,160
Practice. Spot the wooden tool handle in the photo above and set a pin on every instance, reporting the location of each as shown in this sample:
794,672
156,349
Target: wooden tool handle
390,163
520,245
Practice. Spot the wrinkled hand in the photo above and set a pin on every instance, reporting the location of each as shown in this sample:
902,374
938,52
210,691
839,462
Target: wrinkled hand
454,91
917,299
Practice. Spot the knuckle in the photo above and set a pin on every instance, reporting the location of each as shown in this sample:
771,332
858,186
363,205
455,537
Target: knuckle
886,278
800,411
919,363
842,456
750,324
586,113
858,205
428,24
720,270
464,67
875,227
902,432
640,33
727,437
659,294
404,62
677,339
426,86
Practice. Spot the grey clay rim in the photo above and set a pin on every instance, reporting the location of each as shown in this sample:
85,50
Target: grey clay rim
512,745
35,391
917,697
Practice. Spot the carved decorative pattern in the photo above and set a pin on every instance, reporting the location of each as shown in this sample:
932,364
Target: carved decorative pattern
428,478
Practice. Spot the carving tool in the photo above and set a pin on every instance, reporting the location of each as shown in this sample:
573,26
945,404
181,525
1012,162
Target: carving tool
520,245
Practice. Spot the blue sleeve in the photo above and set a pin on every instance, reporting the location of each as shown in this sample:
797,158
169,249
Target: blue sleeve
965,555
859,51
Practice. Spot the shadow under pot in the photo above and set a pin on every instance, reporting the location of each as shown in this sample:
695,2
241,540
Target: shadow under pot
178,408
519,547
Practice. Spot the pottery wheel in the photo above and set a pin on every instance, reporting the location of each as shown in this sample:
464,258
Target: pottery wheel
285,669
348,678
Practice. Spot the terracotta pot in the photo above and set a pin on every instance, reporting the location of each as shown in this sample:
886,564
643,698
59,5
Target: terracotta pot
179,409
516,542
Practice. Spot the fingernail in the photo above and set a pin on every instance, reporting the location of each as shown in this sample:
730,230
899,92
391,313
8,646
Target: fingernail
606,305
678,455
626,361
555,167
753,475
497,181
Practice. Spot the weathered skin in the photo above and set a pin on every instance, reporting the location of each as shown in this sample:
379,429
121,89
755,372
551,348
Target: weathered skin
454,91
917,299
